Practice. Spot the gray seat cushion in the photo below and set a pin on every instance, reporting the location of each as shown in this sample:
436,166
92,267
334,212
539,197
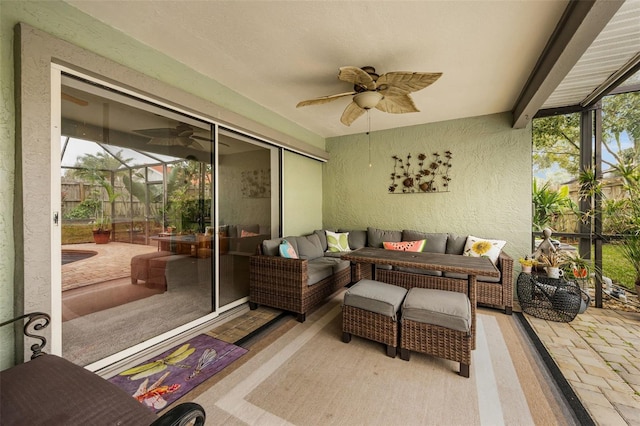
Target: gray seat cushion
374,296
336,264
318,271
447,309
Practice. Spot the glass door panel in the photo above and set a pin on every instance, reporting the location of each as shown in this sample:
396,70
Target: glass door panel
248,189
139,177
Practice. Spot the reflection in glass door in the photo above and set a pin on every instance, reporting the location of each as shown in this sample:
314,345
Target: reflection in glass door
137,192
248,194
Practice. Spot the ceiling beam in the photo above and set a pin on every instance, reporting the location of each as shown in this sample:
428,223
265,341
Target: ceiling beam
578,27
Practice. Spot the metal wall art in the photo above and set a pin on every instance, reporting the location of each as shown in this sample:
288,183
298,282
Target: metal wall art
426,175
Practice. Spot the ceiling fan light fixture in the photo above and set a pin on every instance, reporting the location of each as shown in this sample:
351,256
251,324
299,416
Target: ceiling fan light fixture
367,100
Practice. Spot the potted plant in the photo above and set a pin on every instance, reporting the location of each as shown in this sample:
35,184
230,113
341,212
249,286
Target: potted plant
577,266
102,230
552,263
527,263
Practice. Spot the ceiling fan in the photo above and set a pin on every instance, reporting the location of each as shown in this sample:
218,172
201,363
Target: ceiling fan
387,92
181,135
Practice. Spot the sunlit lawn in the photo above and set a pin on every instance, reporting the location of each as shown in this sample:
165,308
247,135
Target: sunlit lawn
616,267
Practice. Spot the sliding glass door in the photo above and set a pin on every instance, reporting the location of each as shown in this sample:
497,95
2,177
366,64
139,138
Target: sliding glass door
248,188
137,191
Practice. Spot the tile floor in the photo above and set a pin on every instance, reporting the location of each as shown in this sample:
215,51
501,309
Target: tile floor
599,355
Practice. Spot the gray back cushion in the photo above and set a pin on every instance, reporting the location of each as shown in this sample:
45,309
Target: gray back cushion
309,247
357,238
270,247
455,244
375,236
322,236
436,242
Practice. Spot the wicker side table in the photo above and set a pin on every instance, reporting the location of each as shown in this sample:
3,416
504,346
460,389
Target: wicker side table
548,298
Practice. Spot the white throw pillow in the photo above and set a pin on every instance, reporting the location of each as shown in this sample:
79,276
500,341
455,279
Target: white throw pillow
337,241
482,247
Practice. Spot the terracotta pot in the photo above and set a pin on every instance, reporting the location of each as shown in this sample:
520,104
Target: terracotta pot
101,236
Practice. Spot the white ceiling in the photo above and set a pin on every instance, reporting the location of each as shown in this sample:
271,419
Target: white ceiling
278,53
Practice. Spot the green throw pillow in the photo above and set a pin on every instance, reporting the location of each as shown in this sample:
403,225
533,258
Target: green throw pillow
337,242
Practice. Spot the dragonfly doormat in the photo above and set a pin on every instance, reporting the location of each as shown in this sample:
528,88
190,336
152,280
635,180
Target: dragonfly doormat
163,379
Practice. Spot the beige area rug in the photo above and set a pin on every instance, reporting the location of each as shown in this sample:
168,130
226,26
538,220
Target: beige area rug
308,376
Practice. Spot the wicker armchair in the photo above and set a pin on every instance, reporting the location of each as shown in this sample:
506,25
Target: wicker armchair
284,284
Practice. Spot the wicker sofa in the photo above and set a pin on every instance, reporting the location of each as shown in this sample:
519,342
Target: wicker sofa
296,285
284,283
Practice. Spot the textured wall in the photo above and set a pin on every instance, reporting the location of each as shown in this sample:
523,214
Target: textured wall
489,191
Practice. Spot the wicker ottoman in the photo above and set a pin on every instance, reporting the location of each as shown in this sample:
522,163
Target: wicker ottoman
171,270
437,322
140,265
370,310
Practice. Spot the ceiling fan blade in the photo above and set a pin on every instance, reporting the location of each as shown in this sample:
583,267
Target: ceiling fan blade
351,113
158,133
357,76
202,138
324,99
168,141
77,101
200,146
401,82
397,104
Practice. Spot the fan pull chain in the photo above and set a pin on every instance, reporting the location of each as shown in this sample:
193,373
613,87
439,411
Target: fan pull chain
369,135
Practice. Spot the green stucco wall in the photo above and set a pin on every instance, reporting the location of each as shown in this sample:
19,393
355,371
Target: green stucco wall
489,190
